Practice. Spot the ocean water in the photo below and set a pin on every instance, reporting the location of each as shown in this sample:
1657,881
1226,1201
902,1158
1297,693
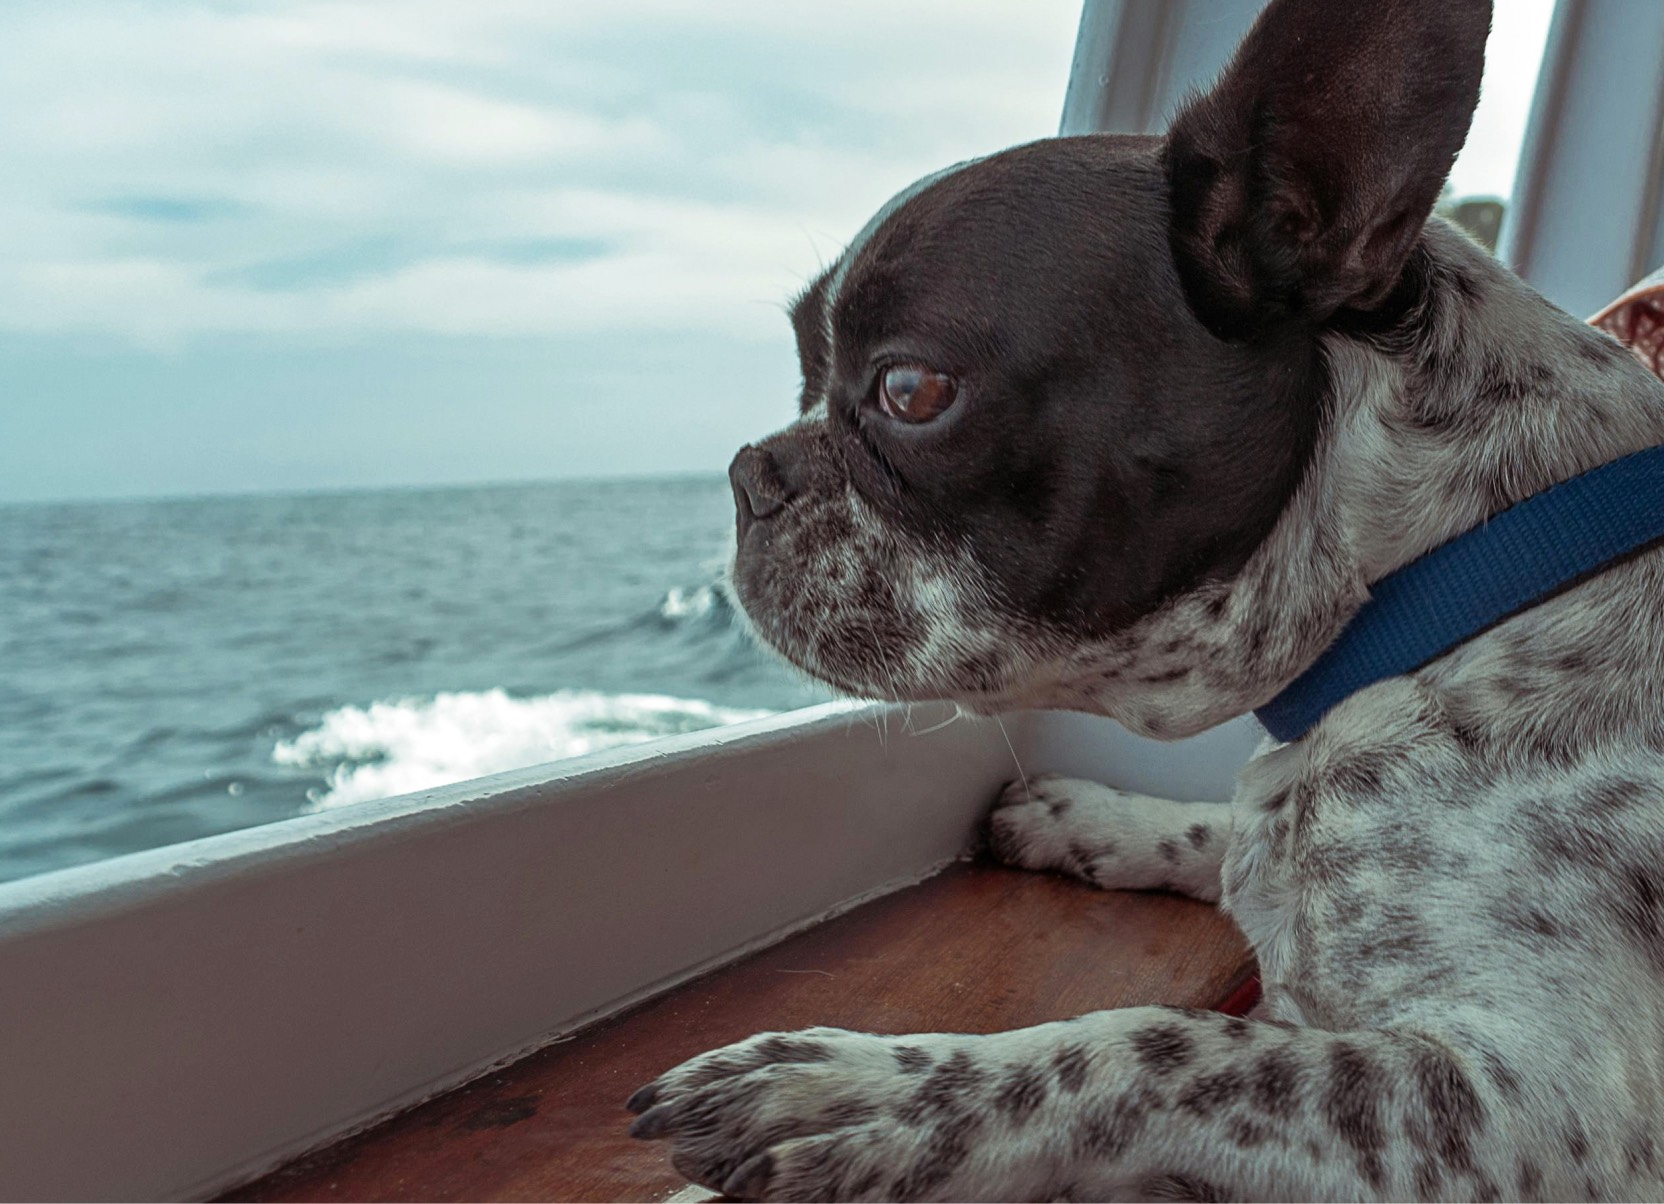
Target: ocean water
171,669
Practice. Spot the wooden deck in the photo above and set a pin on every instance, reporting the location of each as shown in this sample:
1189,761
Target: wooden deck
977,949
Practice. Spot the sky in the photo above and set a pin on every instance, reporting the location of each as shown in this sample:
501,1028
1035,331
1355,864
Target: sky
292,245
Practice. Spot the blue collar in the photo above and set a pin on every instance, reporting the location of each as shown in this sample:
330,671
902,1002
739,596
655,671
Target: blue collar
1508,563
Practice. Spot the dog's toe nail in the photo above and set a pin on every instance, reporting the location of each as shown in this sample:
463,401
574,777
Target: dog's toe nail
655,1122
642,1099
1002,842
750,1180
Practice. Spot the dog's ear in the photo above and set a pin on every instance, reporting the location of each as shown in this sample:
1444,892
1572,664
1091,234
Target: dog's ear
1300,183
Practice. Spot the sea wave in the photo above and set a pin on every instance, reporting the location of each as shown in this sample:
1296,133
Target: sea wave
409,744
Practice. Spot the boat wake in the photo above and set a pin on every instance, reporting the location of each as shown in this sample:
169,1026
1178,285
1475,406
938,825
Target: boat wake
410,744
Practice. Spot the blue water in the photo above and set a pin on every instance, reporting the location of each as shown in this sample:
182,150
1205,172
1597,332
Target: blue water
171,669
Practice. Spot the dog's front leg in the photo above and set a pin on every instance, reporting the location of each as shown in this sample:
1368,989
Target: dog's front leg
1128,1104
1112,838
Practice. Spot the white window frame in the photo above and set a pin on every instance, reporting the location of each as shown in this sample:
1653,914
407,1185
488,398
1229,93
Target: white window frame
1585,220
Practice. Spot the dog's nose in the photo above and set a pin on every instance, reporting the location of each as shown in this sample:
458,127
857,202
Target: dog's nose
759,487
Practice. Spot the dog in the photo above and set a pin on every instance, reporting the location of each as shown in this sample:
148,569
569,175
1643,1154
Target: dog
1130,425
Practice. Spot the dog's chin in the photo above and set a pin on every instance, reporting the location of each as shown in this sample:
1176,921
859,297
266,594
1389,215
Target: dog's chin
866,658
854,682
850,668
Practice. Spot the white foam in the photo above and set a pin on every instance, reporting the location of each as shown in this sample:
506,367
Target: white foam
692,603
390,748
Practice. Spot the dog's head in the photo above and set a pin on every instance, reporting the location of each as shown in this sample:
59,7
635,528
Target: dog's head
1048,392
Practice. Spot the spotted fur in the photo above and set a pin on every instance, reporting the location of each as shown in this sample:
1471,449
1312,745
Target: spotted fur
1454,883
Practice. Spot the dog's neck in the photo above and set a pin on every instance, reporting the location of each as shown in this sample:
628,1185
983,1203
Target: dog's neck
1483,395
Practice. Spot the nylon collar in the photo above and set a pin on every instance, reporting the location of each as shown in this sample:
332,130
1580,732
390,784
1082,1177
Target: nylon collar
1507,564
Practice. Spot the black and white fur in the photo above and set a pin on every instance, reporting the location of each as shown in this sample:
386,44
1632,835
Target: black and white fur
1211,387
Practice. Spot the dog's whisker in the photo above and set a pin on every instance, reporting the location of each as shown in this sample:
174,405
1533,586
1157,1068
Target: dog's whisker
999,722
948,722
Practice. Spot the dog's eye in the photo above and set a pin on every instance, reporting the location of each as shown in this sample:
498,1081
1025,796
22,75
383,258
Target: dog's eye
915,394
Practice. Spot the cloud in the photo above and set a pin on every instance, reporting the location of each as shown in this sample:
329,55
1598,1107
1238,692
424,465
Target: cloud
310,170
169,208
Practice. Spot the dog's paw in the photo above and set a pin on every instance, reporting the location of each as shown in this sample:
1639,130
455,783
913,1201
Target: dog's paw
1035,826
822,1114
1111,838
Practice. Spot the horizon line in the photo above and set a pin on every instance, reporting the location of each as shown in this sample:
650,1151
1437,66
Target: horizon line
323,491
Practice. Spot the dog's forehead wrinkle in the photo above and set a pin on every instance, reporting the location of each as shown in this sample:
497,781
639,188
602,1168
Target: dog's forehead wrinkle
840,270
